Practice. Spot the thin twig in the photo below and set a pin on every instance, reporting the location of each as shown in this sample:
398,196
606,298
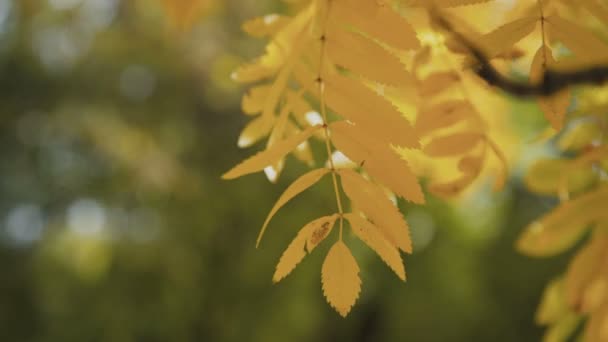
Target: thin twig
551,82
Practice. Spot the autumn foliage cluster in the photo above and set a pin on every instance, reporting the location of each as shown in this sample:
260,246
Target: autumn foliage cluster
394,100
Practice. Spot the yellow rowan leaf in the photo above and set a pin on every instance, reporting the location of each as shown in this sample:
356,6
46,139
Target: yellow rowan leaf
357,103
444,114
586,267
372,236
596,8
579,40
364,57
280,83
505,36
340,278
303,152
596,329
277,51
470,168
437,82
555,106
307,75
265,158
377,207
421,57
580,136
254,99
442,3
597,154
503,173
544,176
255,130
452,144
253,72
563,328
298,186
302,111
280,125
319,233
315,231
561,228
378,21
378,159
265,26
596,294
553,304
278,134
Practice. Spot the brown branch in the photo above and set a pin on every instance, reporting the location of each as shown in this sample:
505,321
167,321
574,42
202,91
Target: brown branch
551,82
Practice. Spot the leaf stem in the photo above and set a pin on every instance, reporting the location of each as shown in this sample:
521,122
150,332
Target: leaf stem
320,83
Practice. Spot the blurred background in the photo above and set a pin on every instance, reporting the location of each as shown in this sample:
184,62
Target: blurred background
115,126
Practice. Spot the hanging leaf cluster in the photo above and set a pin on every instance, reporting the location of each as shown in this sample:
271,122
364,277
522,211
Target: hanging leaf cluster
578,179
392,97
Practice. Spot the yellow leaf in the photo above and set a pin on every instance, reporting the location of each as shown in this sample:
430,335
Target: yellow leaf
254,99
283,46
470,168
544,176
452,144
544,136
371,235
364,57
596,8
561,228
553,304
377,207
264,26
555,106
379,160
298,186
578,39
378,21
595,294
580,136
265,158
563,328
340,278
421,57
281,81
502,176
253,72
255,130
357,103
442,3
504,37
319,233
314,231
444,114
437,82
278,131
302,111
596,329
586,267
303,152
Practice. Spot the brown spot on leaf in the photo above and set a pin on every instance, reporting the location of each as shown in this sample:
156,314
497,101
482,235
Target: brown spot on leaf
319,234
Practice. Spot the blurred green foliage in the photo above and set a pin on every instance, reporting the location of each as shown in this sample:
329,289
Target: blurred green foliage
115,226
